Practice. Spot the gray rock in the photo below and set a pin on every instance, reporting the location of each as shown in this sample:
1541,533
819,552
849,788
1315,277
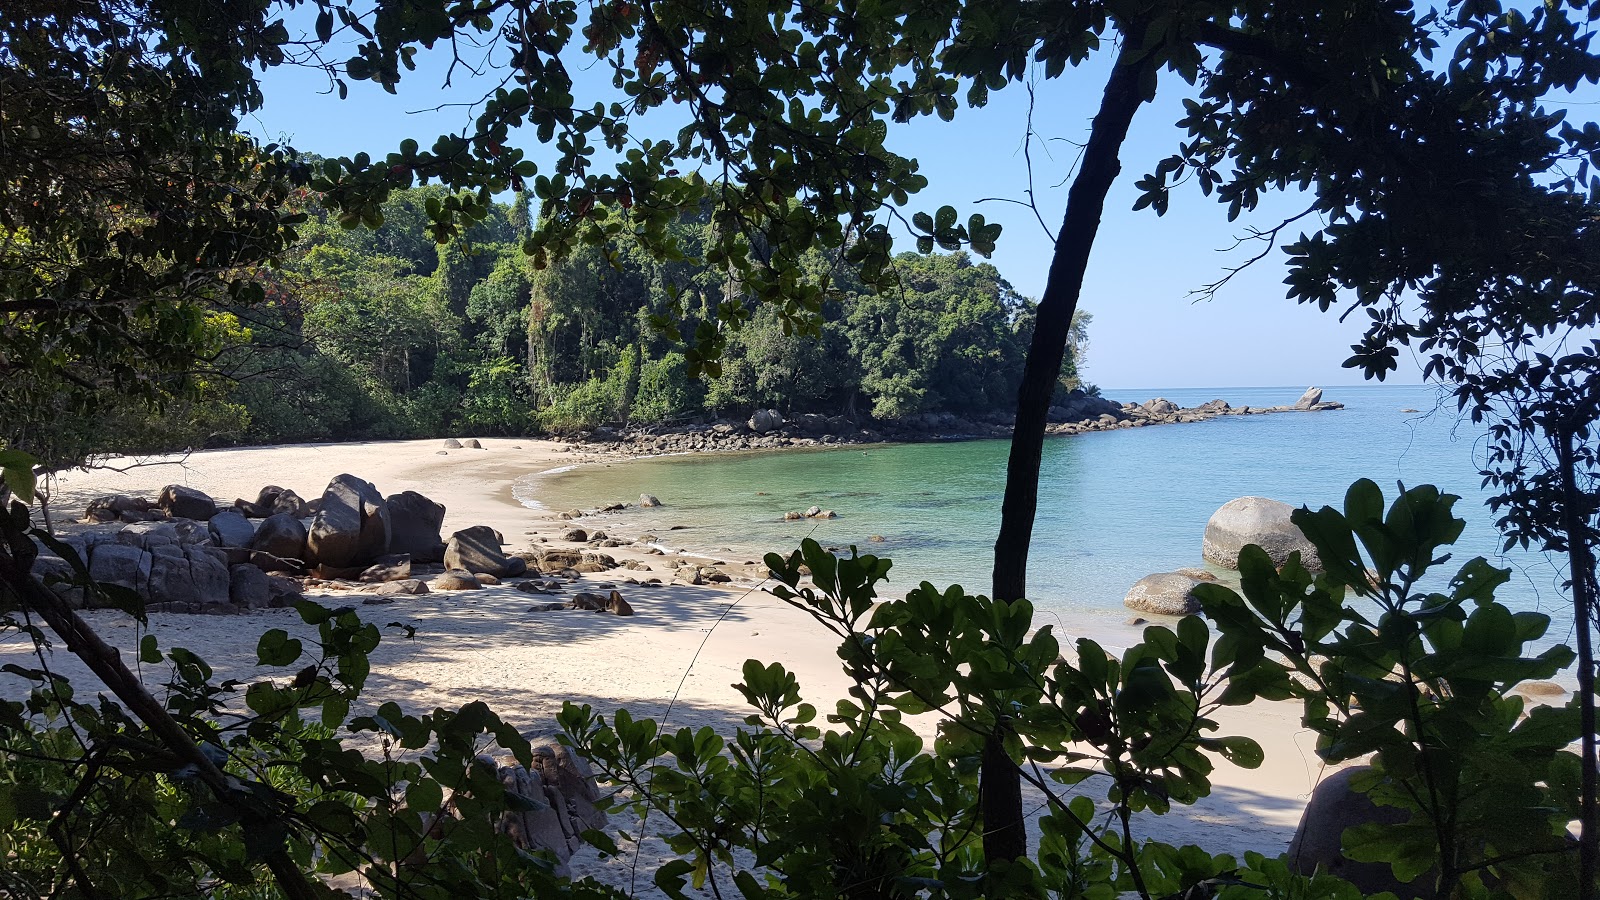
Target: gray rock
1166,594
229,528
148,535
477,549
648,500
1318,842
1309,399
406,586
414,523
539,824
456,581
394,567
1259,521
122,564
208,567
577,535
290,503
247,587
351,525
172,581
111,508
472,444
452,444
765,421
280,535
184,502
1160,406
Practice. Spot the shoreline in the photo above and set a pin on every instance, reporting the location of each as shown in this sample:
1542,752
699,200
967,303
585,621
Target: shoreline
682,650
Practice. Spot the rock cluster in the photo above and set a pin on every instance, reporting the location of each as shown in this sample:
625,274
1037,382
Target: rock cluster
767,428
564,799
185,552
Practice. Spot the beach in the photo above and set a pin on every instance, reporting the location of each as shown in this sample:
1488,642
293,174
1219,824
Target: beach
676,658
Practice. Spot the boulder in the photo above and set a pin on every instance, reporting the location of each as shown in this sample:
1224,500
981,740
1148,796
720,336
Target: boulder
148,535
765,421
576,535
472,444
120,563
571,775
229,528
1160,406
112,507
542,821
550,560
1166,594
290,503
406,586
477,549
1309,399
1318,842
455,580
394,567
648,500
280,535
247,587
184,502
266,562
452,444
414,523
262,506
351,525
1259,521
812,512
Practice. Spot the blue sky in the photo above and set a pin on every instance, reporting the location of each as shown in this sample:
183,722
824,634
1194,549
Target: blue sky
1148,329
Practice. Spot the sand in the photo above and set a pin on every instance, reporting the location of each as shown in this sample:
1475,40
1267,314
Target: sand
676,658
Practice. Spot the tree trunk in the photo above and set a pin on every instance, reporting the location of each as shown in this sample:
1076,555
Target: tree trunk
1000,787
1580,558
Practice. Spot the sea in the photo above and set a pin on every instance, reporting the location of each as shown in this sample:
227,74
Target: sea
1113,506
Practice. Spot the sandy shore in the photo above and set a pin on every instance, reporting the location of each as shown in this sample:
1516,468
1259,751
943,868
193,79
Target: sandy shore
677,657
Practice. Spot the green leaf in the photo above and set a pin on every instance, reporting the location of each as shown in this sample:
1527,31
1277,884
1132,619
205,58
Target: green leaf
276,648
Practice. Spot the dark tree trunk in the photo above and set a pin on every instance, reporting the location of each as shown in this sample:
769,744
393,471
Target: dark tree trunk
1580,557
1000,788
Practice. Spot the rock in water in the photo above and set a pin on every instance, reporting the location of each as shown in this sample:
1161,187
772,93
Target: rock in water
351,525
183,502
477,549
648,500
414,523
280,535
1259,521
1160,406
229,528
1310,398
1166,594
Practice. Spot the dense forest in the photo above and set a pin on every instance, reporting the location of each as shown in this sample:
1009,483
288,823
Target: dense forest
384,333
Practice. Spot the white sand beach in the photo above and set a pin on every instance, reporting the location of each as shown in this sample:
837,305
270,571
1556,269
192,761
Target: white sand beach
676,658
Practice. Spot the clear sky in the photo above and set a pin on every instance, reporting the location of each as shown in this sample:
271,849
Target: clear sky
1148,329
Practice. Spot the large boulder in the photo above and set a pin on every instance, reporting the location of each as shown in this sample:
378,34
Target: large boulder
1318,843
290,503
280,535
1259,521
1166,594
765,421
119,563
148,535
564,796
111,508
1160,406
229,528
248,587
351,525
414,523
648,500
477,550
197,576
1309,399
183,502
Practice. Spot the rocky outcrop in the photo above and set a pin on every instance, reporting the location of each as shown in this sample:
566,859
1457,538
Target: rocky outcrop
181,502
1309,399
1260,521
351,525
414,523
1166,594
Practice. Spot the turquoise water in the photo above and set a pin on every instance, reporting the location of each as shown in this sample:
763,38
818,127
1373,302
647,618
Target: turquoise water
1113,506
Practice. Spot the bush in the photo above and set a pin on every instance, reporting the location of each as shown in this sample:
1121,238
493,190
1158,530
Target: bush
664,390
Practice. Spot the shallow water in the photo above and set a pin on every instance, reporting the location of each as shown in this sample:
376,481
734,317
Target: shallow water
1113,506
